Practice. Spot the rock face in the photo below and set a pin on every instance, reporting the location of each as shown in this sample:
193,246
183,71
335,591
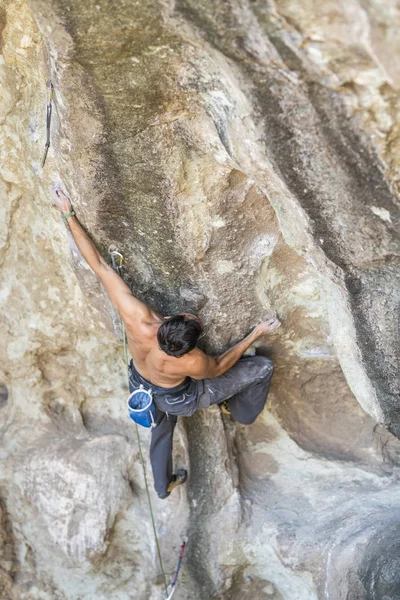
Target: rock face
244,157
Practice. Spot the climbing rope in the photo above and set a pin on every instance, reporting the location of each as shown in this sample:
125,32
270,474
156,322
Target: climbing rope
49,108
117,260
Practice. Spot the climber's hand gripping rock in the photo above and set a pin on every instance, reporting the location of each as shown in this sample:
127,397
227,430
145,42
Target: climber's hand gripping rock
267,326
60,200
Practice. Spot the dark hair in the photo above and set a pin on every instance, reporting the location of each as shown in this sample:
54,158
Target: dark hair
178,335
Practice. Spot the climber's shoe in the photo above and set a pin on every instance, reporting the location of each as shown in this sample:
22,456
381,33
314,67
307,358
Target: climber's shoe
224,408
178,478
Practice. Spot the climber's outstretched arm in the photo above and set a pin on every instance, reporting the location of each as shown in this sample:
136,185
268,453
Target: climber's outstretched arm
201,366
129,307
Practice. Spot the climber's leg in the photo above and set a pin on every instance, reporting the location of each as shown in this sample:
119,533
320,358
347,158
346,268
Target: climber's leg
161,452
245,387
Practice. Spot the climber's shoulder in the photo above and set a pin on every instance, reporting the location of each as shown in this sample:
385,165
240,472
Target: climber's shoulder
199,365
142,322
193,358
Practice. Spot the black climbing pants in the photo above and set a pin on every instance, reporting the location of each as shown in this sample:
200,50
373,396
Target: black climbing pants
245,387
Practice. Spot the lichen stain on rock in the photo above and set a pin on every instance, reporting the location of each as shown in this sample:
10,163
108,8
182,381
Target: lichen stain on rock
244,158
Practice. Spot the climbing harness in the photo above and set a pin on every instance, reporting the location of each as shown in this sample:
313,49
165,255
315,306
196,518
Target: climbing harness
172,585
49,109
117,263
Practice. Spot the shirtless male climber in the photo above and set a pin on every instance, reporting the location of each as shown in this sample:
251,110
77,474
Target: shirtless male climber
166,359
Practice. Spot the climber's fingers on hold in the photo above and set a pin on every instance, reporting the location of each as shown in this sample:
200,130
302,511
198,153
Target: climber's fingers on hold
269,325
60,199
274,321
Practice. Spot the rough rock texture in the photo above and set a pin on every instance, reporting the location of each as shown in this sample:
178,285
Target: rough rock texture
244,156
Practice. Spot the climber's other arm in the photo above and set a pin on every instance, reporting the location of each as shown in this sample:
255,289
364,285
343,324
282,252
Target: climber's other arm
129,307
203,366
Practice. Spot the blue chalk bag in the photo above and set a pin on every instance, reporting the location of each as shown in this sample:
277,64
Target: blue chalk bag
141,407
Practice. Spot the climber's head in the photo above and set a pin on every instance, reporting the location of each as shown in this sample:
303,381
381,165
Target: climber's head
179,334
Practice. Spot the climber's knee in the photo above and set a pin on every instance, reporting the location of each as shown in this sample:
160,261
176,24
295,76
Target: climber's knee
265,366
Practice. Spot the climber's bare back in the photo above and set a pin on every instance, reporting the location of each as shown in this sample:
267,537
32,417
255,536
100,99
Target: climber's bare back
152,363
